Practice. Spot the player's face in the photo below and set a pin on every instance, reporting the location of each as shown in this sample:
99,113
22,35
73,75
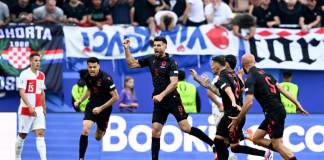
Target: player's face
159,48
35,62
93,69
215,67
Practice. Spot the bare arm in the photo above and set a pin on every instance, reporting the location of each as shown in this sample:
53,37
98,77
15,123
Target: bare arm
230,94
246,106
171,87
24,97
185,15
113,99
213,98
43,101
131,61
205,82
85,96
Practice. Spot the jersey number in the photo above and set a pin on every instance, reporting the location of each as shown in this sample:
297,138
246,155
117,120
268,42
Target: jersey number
31,86
272,87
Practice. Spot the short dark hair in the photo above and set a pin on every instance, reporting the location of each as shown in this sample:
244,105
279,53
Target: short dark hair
93,60
287,74
220,59
181,75
34,55
231,60
161,39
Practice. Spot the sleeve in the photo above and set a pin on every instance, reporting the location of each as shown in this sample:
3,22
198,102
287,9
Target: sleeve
109,83
249,85
144,62
43,84
6,11
174,69
208,9
222,84
36,14
22,82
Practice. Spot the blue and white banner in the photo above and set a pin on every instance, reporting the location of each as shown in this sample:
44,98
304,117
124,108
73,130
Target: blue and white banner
107,43
129,137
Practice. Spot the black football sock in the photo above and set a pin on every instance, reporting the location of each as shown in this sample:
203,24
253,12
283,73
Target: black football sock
201,135
155,148
247,150
221,149
293,158
83,145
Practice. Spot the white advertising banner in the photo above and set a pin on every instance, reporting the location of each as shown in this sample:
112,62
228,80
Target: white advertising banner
288,48
107,43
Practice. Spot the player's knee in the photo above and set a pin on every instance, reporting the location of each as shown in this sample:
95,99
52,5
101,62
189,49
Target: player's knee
234,148
22,135
276,145
255,140
156,132
99,135
85,131
40,133
185,128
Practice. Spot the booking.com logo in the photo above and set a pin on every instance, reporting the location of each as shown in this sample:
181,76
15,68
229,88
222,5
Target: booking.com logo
138,137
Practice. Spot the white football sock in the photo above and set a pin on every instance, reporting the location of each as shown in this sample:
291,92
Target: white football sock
41,147
19,147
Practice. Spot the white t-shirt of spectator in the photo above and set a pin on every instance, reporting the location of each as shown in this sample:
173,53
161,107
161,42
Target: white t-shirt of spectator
159,14
33,85
4,11
41,13
223,13
197,11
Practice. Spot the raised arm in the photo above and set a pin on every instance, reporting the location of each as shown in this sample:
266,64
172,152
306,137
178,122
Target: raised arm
205,82
131,61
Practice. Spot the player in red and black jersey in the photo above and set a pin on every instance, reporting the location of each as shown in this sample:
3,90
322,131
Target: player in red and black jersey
228,87
164,71
102,94
267,92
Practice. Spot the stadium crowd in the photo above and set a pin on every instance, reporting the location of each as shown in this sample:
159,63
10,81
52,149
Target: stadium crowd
163,14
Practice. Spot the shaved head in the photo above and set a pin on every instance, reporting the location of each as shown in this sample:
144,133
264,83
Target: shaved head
248,61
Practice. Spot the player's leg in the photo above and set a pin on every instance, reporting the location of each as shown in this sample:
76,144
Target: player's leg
24,126
83,143
39,128
282,149
160,115
102,124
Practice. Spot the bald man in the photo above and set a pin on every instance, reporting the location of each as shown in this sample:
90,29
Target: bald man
267,92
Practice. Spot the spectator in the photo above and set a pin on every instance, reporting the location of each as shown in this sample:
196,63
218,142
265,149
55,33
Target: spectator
322,7
166,20
289,12
194,13
22,12
244,26
74,10
292,89
177,6
188,94
143,14
128,101
218,13
98,15
78,90
266,14
4,14
120,10
48,13
38,3
239,6
161,5
311,16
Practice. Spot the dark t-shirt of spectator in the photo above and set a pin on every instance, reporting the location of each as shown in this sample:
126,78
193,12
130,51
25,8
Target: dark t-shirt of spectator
18,11
143,10
74,12
179,7
311,15
98,15
121,13
264,15
287,16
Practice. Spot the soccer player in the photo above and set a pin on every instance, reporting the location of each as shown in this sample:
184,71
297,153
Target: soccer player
267,93
32,108
164,71
229,88
102,93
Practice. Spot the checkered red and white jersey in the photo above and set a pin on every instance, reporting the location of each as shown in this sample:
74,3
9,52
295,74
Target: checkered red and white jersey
33,85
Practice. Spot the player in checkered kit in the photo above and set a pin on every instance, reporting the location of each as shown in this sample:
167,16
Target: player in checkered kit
32,108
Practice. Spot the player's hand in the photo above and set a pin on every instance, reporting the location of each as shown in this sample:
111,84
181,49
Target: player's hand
32,111
240,72
157,98
96,110
194,74
126,43
237,107
77,104
205,80
234,123
301,110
